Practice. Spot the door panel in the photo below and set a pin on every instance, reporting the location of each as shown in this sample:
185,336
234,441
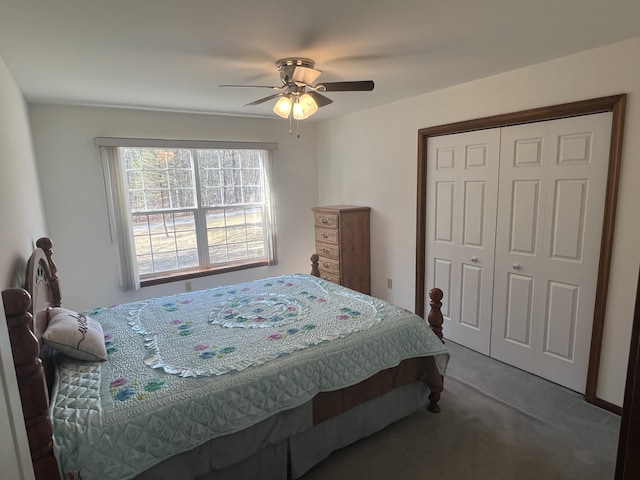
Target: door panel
470,295
561,320
524,223
442,278
521,199
518,318
568,221
462,194
474,207
444,214
554,239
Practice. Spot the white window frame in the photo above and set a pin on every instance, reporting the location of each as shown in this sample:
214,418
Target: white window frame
119,209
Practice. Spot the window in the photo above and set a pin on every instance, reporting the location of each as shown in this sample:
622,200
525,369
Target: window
188,208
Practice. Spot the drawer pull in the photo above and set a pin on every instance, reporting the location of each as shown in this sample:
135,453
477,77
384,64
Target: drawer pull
326,264
324,220
326,278
325,235
325,250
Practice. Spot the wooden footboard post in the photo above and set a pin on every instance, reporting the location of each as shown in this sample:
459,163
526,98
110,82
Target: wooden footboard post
314,265
435,320
30,375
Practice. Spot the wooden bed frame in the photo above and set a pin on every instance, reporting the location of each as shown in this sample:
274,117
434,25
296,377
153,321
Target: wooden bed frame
27,318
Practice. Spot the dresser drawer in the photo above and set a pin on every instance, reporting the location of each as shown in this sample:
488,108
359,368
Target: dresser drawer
328,250
326,220
329,277
327,265
328,236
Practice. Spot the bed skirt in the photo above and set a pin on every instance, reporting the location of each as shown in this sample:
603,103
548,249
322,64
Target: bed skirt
287,445
314,445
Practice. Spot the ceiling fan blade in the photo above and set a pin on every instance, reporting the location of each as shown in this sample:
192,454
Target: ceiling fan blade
305,75
357,86
253,86
321,100
262,100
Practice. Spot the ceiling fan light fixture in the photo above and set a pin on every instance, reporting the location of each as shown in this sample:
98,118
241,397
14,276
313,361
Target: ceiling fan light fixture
298,112
308,105
282,107
302,107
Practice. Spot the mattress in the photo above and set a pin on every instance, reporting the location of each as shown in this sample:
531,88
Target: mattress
188,368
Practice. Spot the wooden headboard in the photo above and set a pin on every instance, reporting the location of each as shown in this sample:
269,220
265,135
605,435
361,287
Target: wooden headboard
27,318
42,285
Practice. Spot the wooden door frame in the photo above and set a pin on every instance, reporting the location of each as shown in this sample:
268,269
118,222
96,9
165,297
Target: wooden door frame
628,461
615,104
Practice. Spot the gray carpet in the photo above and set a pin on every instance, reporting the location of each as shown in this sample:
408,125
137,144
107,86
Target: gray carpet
497,422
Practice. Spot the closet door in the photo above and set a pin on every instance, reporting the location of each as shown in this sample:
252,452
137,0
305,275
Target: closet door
550,208
462,183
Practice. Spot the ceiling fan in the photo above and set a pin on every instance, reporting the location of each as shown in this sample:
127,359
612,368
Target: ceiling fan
298,97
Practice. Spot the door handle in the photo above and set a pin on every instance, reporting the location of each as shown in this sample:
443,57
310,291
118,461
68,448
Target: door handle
516,266
474,259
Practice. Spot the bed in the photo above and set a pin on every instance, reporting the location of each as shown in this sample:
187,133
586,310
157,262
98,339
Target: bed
262,379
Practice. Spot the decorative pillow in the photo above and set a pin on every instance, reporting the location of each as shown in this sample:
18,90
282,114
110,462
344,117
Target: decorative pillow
76,335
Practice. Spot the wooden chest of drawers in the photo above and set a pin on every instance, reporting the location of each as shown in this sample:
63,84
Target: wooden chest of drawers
342,244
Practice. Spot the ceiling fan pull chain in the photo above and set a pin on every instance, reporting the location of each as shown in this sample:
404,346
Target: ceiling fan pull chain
291,122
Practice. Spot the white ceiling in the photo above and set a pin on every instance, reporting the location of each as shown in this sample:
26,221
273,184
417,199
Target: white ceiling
165,54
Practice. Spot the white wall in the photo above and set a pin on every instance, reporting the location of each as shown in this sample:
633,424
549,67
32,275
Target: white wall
21,214
22,221
73,191
370,158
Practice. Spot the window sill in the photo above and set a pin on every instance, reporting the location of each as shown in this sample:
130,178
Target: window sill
169,277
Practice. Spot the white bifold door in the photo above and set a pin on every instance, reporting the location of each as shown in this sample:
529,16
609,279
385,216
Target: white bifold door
462,192
513,239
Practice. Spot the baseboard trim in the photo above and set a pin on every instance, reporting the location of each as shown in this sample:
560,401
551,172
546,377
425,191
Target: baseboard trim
598,402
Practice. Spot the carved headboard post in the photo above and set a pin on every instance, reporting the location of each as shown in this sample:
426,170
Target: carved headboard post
47,246
30,376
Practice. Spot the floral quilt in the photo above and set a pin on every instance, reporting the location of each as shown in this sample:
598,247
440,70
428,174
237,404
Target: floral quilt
190,367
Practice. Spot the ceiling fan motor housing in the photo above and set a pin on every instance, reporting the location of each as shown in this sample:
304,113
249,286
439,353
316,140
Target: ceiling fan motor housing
287,68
